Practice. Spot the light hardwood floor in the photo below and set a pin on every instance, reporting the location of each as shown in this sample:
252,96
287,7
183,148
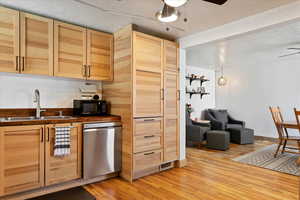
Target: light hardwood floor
209,175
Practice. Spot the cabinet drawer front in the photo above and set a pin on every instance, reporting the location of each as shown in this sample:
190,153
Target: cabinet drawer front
142,162
146,143
148,126
148,94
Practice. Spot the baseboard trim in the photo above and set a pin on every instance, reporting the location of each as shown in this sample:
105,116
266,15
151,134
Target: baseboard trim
266,138
181,163
56,188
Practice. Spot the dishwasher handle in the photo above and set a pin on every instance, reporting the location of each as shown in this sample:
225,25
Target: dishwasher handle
99,130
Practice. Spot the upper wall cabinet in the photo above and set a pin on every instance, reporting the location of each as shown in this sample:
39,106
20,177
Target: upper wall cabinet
36,45
9,40
31,44
69,50
99,55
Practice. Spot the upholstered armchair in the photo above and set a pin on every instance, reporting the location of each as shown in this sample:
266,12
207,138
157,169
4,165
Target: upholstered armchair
195,132
221,120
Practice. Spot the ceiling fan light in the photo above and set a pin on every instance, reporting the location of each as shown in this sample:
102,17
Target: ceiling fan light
167,14
175,3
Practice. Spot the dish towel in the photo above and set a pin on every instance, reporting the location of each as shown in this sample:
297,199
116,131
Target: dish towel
62,145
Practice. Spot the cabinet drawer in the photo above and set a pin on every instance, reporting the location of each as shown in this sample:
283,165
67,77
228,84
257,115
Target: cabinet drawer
148,126
146,163
147,143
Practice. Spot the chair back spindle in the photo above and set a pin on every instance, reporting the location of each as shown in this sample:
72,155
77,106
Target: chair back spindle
278,120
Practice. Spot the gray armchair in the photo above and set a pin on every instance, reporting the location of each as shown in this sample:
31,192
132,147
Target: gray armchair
221,120
195,132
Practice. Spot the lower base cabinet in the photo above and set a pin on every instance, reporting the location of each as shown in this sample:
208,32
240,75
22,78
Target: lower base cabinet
147,163
21,158
65,168
27,161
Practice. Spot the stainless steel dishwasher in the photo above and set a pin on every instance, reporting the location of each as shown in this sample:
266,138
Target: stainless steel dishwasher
101,149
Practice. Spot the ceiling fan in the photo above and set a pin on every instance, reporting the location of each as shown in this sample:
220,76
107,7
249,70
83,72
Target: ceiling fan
169,12
291,54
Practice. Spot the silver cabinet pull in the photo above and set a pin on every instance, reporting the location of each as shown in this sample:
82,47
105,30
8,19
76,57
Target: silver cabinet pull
84,71
149,136
89,67
148,120
17,63
178,95
146,154
42,139
163,94
23,63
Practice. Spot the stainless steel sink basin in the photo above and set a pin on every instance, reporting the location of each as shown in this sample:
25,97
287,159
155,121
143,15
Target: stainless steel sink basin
57,117
12,119
9,119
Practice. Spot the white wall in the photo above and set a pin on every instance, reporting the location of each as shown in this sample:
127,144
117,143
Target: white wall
207,101
254,85
182,67
17,91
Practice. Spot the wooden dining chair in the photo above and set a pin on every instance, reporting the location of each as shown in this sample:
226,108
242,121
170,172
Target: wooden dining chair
283,135
297,115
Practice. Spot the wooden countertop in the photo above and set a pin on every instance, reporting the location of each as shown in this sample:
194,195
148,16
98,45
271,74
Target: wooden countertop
60,121
21,112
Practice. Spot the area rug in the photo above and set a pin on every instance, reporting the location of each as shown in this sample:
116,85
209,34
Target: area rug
78,193
264,158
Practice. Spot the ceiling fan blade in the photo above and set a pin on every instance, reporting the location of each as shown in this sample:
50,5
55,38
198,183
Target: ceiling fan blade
219,2
293,48
291,54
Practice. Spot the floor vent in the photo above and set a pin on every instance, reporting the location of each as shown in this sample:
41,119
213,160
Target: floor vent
166,166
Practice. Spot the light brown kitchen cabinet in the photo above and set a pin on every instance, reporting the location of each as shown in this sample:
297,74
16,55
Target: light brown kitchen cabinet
22,158
99,55
171,102
36,45
148,77
27,160
31,44
69,50
145,94
9,40
65,168
145,140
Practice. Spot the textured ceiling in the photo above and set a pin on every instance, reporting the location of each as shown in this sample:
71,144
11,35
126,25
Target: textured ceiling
110,15
260,46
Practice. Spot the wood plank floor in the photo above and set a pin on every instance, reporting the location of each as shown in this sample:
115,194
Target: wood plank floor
209,175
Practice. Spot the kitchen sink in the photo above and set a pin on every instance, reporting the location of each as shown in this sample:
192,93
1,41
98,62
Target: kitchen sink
12,119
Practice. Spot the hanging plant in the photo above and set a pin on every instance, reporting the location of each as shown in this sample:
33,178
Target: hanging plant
189,108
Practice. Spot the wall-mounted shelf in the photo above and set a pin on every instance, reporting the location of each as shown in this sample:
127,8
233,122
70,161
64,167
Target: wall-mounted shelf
202,80
200,93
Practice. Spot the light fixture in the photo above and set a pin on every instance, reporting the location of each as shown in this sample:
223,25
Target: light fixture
222,81
167,14
175,3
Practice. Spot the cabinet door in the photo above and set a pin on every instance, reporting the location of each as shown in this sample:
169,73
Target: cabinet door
36,45
171,103
9,40
148,53
69,50
22,158
99,55
63,168
148,71
148,94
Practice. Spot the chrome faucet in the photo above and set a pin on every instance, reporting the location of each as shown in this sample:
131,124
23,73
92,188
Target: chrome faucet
38,104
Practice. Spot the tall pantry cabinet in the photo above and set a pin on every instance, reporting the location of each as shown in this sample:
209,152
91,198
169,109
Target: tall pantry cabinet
145,94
